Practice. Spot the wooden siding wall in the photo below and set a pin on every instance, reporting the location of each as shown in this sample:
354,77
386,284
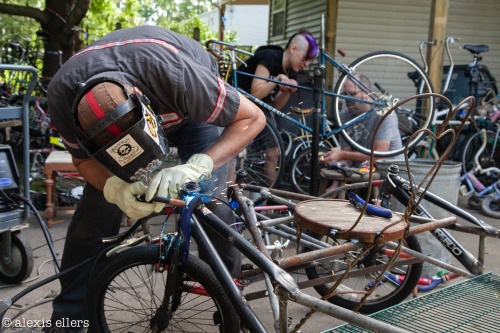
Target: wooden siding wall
476,22
301,14
396,25
399,25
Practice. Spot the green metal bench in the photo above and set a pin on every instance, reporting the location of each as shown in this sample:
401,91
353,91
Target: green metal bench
471,305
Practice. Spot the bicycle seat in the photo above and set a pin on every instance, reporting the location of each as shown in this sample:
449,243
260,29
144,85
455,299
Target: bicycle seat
300,112
326,217
476,49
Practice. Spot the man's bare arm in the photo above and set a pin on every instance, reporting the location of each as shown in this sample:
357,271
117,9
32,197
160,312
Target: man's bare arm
249,121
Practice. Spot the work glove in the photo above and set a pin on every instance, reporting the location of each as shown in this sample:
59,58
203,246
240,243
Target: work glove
124,195
168,181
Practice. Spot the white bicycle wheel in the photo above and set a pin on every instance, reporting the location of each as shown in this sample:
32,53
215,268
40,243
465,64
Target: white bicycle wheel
394,77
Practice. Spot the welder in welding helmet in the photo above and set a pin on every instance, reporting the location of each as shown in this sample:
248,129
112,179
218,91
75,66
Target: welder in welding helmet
119,130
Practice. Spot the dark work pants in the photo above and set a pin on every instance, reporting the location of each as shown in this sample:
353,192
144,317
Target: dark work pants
95,218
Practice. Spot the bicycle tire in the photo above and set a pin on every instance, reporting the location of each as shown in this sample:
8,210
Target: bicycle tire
287,139
490,205
471,147
400,77
300,170
304,141
386,293
256,162
126,292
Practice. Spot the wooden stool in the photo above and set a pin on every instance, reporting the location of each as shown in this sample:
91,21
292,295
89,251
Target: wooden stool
56,161
327,175
336,217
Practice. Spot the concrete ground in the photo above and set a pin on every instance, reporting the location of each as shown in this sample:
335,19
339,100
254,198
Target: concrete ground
43,268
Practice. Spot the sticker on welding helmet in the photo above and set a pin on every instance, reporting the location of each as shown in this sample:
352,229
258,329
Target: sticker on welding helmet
125,150
151,125
5,181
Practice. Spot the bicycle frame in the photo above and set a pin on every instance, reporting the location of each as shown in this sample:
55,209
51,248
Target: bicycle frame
287,289
400,188
324,57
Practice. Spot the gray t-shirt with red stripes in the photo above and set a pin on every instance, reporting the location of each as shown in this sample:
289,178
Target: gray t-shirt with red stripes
175,72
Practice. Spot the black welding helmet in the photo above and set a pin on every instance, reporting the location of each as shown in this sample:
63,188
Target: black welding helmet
117,127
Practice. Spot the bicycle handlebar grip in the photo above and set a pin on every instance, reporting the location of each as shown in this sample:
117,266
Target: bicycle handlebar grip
370,209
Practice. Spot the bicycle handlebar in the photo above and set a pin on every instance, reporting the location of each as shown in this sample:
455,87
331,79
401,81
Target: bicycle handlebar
449,40
227,46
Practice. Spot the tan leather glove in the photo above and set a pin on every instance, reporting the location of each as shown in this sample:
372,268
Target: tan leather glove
124,195
169,181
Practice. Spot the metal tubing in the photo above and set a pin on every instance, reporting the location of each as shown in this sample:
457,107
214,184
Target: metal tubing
290,237
281,193
268,195
306,237
223,275
431,260
273,300
432,225
341,313
232,236
482,249
318,254
457,227
272,222
26,130
251,221
283,316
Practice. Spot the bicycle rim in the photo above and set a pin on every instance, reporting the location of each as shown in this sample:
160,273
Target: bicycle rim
471,147
264,159
128,291
387,293
300,170
303,142
400,77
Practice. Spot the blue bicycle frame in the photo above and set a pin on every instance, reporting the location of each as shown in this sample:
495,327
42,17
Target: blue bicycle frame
376,101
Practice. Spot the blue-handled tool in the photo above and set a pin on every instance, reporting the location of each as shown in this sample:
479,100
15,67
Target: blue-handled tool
370,209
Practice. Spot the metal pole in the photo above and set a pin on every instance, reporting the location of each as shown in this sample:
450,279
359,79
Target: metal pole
319,84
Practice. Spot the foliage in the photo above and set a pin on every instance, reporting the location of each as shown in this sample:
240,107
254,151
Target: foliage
16,29
104,16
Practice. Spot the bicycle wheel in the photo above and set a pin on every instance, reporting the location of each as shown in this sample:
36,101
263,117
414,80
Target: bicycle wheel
387,293
128,290
286,138
471,147
394,77
300,170
304,142
264,159
490,205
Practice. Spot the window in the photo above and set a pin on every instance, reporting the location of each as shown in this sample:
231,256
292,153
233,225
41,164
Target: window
278,17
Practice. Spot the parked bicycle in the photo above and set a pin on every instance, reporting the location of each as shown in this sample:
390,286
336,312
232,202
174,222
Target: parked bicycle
460,81
160,285
482,185
395,77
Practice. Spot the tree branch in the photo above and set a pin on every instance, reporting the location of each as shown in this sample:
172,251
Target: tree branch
31,12
77,14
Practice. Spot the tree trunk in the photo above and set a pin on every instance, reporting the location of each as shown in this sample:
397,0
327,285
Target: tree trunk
58,49
58,20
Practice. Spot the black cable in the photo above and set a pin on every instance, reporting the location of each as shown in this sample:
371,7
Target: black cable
45,230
